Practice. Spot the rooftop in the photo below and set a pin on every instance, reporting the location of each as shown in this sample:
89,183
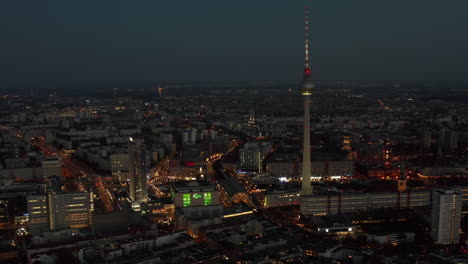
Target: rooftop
192,186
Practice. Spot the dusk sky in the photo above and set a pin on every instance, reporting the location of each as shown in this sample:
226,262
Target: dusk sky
107,42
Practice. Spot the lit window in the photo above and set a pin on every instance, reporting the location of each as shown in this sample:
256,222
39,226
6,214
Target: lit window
207,198
186,199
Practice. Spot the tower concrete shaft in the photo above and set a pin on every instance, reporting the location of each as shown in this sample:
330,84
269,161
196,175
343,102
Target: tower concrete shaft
306,167
306,90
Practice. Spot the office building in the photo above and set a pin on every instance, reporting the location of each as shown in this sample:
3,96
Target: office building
69,210
137,171
52,166
333,203
119,165
252,155
197,204
55,211
38,214
195,195
281,198
446,216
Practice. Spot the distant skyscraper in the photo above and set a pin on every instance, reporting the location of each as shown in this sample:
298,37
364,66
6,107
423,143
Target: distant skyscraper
446,216
252,116
137,170
306,90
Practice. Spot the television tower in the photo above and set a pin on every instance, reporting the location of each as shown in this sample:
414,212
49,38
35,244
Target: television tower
306,90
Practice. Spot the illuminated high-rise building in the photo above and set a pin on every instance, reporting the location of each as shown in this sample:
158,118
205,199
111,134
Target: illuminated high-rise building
137,170
252,116
69,210
37,214
306,90
57,210
446,216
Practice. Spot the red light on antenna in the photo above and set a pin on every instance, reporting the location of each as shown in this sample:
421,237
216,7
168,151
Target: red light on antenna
307,71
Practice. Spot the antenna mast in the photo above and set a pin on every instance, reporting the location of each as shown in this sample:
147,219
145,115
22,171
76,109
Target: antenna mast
307,70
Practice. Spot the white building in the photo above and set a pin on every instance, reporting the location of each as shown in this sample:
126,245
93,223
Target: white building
446,216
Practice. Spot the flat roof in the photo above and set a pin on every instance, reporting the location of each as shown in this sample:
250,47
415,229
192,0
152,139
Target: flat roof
189,186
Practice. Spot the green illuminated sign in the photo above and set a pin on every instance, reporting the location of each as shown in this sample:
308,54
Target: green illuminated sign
196,196
207,198
186,199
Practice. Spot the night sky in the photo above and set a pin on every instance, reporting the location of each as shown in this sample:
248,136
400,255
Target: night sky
125,42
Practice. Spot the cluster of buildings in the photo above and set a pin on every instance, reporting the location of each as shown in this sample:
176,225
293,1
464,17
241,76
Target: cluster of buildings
336,173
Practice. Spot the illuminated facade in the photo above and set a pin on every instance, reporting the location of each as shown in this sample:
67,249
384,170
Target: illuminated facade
137,171
336,203
331,169
194,193
446,216
119,166
252,154
275,199
69,210
37,213
197,204
58,211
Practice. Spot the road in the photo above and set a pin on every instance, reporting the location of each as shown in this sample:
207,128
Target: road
78,171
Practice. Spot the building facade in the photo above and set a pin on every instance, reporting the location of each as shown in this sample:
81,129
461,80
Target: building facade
56,211
37,214
52,166
252,154
347,202
69,210
137,171
446,216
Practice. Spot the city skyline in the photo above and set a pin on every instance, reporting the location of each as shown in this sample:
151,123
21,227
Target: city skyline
309,170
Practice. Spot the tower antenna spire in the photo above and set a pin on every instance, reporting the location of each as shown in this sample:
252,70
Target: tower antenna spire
307,71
